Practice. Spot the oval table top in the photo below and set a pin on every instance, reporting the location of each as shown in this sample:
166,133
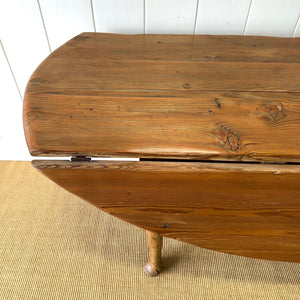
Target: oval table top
167,96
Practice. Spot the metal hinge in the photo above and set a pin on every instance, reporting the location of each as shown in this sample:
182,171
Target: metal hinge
81,158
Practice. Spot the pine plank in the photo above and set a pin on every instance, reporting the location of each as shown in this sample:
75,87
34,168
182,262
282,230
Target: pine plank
250,210
139,96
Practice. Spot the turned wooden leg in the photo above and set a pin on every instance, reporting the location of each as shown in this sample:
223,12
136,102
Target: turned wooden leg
153,266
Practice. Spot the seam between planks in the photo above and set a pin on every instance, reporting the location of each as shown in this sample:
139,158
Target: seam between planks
160,96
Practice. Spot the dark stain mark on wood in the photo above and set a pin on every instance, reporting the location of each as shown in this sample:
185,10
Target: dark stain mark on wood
218,101
56,93
159,42
91,109
35,82
227,139
186,85
82,38
38,80
166,225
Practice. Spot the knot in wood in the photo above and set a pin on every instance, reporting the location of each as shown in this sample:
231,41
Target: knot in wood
272,112
227,139
186,85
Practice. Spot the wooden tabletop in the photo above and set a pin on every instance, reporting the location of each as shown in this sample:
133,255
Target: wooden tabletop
167,96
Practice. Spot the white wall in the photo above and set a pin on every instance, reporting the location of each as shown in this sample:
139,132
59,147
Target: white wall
31,29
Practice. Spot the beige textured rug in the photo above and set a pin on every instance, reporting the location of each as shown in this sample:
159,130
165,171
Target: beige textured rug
54,245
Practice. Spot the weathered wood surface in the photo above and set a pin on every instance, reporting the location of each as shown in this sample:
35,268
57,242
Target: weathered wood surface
244,209
185,97
200,97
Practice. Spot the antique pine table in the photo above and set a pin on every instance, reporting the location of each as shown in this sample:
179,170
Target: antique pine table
214,121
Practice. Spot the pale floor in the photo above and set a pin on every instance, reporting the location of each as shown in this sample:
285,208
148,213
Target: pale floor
54,245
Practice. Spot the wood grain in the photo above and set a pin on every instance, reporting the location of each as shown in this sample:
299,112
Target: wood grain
200,97
227,126
244,209
186,98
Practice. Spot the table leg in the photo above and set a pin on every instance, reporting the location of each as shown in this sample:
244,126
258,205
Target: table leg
154,265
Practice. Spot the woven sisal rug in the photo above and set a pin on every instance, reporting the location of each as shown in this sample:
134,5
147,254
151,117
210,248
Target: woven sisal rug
54,245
